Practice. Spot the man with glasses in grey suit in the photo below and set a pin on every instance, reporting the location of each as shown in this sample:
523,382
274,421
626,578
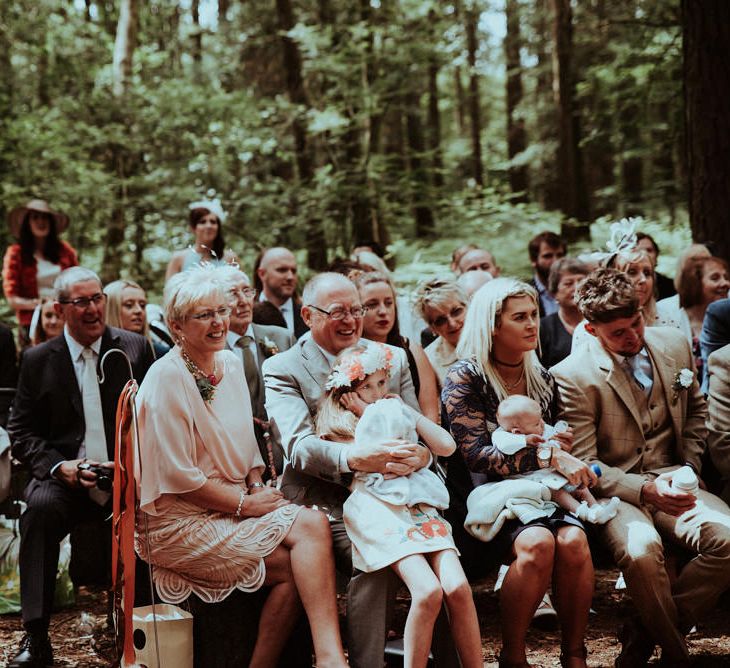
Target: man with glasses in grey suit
318,472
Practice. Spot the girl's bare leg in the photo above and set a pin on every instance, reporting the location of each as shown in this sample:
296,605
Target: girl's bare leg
460,603
426,597
573,580
524,585
310,549
280,612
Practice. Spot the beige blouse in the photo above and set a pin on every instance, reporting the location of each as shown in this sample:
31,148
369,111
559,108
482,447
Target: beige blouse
184,440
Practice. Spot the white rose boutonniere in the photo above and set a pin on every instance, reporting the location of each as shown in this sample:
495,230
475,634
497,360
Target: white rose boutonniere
682,382
269,347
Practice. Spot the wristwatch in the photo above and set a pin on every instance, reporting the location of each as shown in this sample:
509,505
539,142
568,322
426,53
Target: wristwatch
544,455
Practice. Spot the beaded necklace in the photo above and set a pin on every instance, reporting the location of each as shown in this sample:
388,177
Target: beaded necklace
206,382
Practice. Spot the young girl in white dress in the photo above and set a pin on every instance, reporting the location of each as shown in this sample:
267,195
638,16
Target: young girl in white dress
393,520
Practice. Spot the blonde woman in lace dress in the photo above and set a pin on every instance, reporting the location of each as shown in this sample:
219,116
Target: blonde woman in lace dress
207,522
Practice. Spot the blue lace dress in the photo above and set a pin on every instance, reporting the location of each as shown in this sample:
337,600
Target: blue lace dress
470,404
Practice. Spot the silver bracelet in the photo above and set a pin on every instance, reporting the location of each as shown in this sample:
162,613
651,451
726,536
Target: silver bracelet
254,485
240,503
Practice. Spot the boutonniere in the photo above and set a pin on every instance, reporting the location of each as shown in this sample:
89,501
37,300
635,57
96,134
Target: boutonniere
269,347
682,382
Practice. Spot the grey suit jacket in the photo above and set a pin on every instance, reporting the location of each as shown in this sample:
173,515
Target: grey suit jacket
596,400
295,382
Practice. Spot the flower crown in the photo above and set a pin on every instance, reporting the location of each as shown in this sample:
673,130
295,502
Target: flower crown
358,365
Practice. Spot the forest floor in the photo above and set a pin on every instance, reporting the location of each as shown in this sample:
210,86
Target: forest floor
709,645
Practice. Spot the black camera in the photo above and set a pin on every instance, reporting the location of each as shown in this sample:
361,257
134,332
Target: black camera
104,476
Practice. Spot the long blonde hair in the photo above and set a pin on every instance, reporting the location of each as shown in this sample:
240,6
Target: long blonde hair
113,293
476,340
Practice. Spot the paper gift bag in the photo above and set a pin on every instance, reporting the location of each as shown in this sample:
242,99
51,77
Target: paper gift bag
175,636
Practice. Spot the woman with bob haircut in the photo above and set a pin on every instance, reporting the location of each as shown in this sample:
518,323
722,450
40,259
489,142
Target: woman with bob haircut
31,266
206,221
442,304
207,522
497,358
126,308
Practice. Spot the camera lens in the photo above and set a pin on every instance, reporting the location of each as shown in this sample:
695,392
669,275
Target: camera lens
104,483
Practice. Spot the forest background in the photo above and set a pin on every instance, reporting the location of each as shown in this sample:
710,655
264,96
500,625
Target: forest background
421,124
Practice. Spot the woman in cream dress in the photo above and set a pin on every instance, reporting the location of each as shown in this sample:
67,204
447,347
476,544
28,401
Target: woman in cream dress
207,523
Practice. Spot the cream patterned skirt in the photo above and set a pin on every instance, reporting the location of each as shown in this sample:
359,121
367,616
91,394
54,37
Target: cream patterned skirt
209,554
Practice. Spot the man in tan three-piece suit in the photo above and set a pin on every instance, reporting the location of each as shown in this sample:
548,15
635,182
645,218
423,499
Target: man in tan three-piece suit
633,400
318,472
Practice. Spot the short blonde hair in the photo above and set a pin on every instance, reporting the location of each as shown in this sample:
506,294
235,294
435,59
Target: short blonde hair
437,292
187,289
476,340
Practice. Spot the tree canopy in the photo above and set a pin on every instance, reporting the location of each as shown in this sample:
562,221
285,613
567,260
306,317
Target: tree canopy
321,123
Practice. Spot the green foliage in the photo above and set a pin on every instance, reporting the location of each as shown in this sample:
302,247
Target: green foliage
223,125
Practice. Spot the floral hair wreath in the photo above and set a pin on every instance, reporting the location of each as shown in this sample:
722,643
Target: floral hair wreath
358,365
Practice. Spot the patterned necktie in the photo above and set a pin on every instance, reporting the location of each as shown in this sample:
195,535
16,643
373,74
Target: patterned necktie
635,370
250,367
94,438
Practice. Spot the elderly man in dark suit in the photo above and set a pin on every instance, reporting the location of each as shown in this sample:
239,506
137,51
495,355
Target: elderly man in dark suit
63,419
318,472
253,344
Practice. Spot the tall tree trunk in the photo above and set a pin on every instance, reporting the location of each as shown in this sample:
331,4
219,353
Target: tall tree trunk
315,239
574,201
547,183
516,132
7,86
124,46
223,7
434,124
706,31
425,224
471,20
197,36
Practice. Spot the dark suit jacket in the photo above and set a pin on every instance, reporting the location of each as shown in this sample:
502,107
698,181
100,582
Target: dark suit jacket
300,326
715,333
47,422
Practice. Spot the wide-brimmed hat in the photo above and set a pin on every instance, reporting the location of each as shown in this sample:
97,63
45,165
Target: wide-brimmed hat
16,216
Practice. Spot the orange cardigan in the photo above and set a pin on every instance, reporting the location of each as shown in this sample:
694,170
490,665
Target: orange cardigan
19,279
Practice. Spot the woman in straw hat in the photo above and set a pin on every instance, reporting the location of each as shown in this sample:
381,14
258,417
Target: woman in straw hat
31,266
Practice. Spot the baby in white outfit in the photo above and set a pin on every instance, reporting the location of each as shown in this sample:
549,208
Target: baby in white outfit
518,417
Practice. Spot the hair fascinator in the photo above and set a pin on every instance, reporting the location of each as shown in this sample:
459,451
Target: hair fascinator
213,205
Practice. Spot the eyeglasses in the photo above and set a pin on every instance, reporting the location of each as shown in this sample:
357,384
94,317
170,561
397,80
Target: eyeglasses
248,293
207,316
339,313
82,303
454,313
